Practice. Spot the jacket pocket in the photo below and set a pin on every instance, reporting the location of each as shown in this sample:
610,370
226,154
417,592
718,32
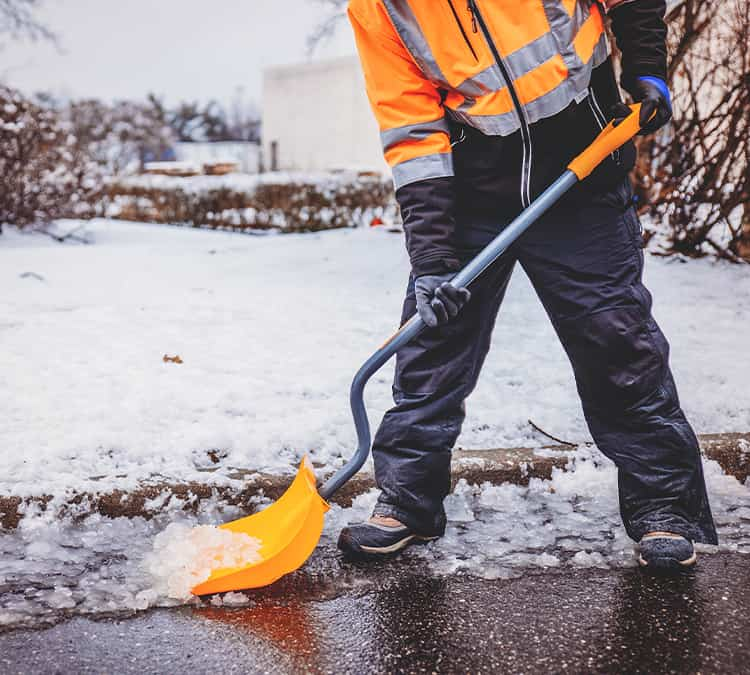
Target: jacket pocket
462,30
635,228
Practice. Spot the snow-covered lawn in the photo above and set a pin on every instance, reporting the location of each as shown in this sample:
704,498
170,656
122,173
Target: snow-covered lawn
270,330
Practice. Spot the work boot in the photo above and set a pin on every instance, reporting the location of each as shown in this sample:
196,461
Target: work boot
666,552
378,536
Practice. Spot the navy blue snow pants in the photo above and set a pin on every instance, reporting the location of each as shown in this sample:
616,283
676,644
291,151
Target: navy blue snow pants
585,263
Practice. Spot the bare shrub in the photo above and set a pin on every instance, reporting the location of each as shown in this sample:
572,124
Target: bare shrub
41,175
294,206
694,176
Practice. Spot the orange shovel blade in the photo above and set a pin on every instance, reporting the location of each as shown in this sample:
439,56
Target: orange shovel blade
289,531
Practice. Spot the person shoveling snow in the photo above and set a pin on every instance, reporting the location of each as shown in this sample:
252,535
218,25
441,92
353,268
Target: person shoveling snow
479,106
470,190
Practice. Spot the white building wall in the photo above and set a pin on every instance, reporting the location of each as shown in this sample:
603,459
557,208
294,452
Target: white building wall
319,117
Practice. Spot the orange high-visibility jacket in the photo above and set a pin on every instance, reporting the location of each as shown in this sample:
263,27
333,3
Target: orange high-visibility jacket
496,65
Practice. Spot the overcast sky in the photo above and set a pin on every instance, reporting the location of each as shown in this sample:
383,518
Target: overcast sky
182,49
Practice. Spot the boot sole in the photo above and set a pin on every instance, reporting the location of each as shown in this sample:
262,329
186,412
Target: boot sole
398,546
353,550
668,564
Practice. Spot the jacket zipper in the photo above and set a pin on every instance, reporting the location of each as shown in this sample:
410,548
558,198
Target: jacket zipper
476,18
601,120
463,32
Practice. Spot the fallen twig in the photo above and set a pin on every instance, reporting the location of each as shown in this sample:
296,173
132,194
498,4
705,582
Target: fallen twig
554,438
61,238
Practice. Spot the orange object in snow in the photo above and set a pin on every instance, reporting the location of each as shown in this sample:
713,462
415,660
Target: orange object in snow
288,530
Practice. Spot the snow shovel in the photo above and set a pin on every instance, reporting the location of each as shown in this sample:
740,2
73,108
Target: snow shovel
289,530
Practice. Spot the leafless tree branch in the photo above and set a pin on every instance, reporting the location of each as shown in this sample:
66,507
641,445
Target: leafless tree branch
18,20
693,177
335,12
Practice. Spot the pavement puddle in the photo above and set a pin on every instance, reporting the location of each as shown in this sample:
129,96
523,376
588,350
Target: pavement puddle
52,569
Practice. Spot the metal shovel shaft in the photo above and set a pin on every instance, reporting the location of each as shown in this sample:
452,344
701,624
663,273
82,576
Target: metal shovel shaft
415,325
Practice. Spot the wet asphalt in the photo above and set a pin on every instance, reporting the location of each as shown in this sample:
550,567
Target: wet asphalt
398,618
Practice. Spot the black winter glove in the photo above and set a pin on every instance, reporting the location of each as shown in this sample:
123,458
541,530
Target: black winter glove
653,95
437,301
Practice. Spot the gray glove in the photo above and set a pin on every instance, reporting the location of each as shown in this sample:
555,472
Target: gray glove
437,301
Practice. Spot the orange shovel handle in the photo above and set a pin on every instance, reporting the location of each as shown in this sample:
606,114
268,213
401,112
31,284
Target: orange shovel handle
610,139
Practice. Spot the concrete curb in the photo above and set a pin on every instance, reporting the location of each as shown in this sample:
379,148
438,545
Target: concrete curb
496,466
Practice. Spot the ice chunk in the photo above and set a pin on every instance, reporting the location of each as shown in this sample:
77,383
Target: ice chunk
235,599
458,505
547,560
185,556
61,598
584,559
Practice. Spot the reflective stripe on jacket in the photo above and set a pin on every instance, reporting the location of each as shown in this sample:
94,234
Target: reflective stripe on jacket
495,65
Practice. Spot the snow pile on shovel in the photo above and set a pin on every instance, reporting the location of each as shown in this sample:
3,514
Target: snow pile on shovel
185,556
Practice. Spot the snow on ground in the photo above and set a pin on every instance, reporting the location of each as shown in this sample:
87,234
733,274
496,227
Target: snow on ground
270,330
